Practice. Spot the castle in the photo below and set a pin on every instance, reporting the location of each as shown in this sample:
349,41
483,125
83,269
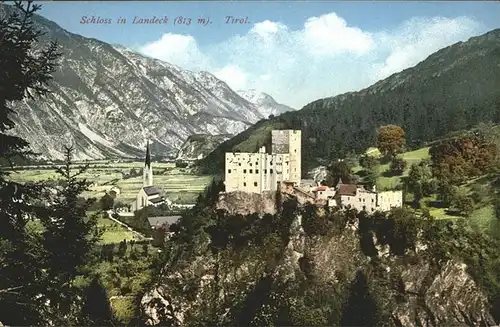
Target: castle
261,171
280,170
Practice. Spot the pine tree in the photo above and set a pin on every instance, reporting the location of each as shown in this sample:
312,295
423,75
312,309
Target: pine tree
68,239
96,307
24,73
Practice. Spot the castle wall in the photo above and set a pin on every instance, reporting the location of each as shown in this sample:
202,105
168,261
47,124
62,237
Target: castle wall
289,141
255,172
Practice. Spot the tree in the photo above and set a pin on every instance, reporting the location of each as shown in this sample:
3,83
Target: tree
446,192
497,207
391,140
368,162
158,237
361,308
96,308
106,202
462,202
25,71
181,164
66,222
370,180
420,181
398,165
339,170
312,223
468,155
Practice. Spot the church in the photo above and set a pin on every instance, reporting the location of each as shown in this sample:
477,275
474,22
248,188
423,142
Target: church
148,195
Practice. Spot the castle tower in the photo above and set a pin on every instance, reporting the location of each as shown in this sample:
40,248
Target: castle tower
289,141
147,175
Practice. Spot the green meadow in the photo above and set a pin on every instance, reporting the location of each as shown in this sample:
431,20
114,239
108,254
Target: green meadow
484,212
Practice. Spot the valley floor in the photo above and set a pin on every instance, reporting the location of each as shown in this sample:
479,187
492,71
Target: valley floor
180,185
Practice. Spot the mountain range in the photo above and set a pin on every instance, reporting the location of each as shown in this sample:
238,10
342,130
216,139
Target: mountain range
453,89
107,101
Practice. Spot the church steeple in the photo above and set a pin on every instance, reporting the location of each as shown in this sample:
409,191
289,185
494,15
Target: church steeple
147,178
147,162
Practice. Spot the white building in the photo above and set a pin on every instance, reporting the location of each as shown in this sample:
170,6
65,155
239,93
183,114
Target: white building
361,199
261,171
148,195
323,192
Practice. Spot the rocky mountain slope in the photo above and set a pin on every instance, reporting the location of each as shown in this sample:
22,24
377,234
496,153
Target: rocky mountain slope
266,104
199,146
107,100
453,89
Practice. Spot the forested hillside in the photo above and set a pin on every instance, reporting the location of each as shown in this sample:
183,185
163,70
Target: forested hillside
454,88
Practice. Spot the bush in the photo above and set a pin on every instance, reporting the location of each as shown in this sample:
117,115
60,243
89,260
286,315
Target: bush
181,164
368,162
398,166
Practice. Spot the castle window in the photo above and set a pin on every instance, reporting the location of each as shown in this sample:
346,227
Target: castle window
359,199
256,163
295,150
239,164
270,171
244,171
363,200
244,184
251,171
256,171
373,209
254,183
372,201
271,163
265,171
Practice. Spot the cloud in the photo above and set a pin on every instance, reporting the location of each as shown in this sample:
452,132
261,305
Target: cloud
181,50
233,76
327,56
418,38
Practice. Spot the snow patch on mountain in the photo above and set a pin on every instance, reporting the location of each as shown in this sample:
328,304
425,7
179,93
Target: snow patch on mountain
266,104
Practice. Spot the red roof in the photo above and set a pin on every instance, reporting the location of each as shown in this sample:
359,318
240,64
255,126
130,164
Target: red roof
322,188
347,189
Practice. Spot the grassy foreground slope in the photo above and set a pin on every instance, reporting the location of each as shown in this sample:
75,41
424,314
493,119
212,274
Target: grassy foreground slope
453,89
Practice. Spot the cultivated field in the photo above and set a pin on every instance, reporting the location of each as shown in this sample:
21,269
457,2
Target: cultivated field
179,184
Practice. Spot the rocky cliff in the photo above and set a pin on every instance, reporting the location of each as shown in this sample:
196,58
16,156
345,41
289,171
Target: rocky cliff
302,279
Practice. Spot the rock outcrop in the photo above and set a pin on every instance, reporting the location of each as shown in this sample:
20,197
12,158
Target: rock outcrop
413,291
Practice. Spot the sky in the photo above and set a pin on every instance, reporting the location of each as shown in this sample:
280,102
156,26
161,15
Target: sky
295,51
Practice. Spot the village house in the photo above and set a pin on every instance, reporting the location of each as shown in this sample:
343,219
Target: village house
163,222
362,199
